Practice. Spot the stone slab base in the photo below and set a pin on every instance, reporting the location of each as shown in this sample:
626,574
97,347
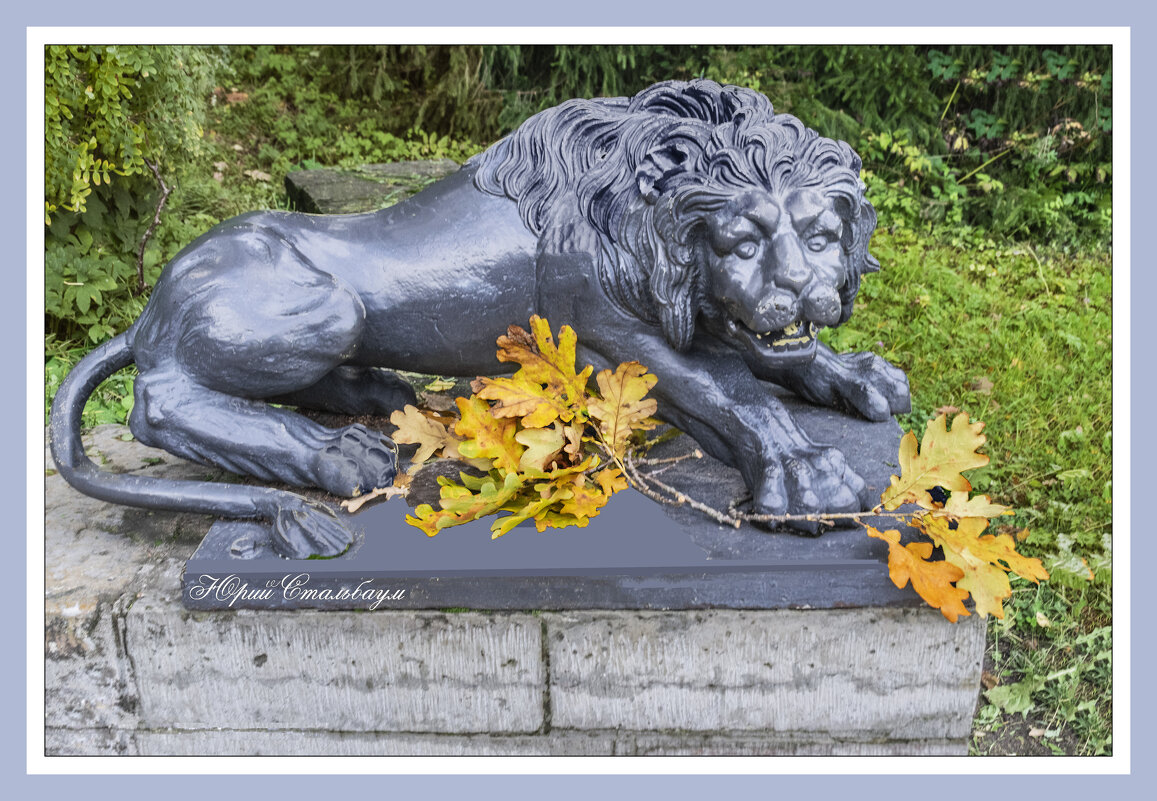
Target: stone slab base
130,670
635,554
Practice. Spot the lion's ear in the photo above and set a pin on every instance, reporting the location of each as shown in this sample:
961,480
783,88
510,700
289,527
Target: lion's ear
659,166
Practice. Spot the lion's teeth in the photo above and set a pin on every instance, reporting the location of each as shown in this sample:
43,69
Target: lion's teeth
792,329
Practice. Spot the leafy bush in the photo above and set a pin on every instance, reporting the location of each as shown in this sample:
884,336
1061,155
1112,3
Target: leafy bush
292,113
1040,120
110,112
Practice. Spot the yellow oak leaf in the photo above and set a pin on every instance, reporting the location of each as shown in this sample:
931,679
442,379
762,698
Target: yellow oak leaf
486,437
942,456
533,435
586,499
440,384
984,559
515,396
932,581
623,408
550,493
543,448
415,428
611,480
960,505
543,364
550,519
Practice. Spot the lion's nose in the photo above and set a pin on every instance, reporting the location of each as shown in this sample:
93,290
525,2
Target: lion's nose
790,269
822,305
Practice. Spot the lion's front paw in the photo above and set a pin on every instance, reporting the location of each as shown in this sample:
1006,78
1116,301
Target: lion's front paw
356,460
873,387
809,481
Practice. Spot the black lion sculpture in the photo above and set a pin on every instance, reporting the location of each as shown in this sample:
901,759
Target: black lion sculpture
689,228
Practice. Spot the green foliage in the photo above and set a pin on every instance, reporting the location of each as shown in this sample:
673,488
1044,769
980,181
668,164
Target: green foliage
1037,328
110,403
1016,140
110,109
1054,656
346,106
1040,122
530,78
109,113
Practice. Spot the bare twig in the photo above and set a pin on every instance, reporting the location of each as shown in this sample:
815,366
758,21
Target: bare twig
824,517
695,454
165,191
351,505
648,484
679,497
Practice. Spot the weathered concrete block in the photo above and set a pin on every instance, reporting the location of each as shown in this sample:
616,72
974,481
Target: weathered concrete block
897,674
344,671
90,742
310,743
130,671
97,557
761,744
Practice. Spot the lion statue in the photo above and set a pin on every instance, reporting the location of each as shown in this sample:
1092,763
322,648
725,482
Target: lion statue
689,228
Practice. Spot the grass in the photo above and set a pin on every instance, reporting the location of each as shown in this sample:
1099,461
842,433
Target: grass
110,403
1023,341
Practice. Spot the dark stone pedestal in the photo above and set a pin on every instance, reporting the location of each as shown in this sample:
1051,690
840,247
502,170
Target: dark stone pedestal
636,554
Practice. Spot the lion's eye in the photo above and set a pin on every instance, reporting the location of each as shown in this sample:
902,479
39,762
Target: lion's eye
745,250
818,242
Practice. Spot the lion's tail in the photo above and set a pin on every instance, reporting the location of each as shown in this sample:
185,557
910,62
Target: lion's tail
77,469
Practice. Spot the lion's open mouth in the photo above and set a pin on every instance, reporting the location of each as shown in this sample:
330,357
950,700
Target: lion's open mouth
794,343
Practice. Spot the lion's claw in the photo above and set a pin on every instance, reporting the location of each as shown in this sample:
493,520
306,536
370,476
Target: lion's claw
872,386
810,481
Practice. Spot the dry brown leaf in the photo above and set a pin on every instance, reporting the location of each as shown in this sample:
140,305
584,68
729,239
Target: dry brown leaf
981,385
431,436
351,505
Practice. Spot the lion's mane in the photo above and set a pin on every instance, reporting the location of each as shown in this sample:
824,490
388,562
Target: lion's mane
642,173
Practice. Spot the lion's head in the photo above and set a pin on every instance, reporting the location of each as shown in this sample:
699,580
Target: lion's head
708,208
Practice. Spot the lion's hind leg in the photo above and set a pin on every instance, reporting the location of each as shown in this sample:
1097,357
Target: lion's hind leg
242,318
253,438
352,390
